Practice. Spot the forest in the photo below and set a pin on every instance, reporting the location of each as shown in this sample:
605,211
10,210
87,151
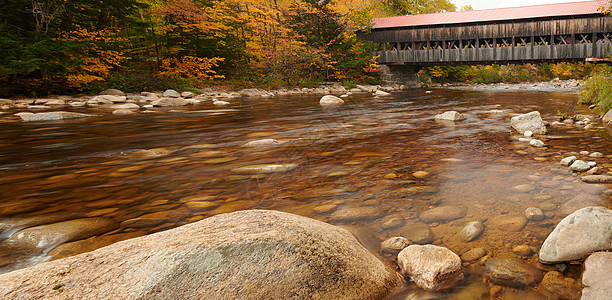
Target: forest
74,46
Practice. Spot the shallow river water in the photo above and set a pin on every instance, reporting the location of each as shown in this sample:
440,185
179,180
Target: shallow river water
372,166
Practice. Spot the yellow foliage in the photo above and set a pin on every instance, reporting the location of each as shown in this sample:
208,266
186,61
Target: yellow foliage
198,68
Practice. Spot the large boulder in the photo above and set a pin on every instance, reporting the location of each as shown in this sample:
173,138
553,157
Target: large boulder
171,94
246,254
431,267
596,277
112,92
579,234
531,121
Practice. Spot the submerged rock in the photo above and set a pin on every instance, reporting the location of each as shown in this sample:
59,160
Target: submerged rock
47,237
431,267
252,254
442,214
473,254
352,214
596,277
556,286
52,116
471,231
579,234
263,142
597,179
450,116
531,121
265,169
512,272
512,223
394,245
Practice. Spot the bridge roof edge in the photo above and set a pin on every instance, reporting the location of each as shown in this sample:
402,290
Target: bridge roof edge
490,15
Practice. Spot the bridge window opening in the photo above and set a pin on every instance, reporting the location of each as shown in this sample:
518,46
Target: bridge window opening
405,46
452,45
584,38
604,38
562,39
420,45
542,41
437,45
523,41
469,44
487,43
505,42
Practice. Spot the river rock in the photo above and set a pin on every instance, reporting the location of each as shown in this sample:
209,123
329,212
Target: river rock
187,95
47,237
534,214
123,112
392,221
52,116
531,121
263,142
471,231
353,214
577,235
523,188
169,102
107,99
112,92
381,93
330,100
442,214
576,203
579,166
220,103
513,223
9,226
568,160
512,272
265,169
450,116
412,190
55,102
522,250
126,106
253,254
607,118
473,254
536,143
417,233
90,244
597,179
171,94
596,277
394,245
430,267
556,286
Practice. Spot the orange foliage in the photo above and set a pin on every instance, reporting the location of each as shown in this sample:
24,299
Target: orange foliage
199,68
96,60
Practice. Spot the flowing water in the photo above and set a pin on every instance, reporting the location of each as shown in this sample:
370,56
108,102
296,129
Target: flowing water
372,166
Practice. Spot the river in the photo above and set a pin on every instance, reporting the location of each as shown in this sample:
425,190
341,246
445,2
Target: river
372,166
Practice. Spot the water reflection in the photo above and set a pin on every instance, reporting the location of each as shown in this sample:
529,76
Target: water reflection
372,166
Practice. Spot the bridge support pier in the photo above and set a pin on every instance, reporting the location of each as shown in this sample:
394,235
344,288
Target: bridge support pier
400,75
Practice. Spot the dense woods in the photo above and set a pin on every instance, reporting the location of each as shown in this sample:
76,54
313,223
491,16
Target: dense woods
52,46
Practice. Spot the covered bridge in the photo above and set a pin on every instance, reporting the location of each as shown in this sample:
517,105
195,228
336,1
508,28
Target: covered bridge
575,31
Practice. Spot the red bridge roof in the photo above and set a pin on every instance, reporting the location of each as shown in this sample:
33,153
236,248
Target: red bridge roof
499,14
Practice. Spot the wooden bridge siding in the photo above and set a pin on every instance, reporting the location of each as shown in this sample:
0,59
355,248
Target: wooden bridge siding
486,31
507,54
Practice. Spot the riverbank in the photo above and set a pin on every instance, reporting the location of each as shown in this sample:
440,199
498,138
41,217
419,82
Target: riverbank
554,85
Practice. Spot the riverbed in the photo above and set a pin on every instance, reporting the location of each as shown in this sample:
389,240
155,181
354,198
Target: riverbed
372,166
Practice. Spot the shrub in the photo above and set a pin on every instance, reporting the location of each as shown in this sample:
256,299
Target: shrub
598,90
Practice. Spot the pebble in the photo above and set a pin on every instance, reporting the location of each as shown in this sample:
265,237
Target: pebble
522,250
528,133
420,174
596,155
523,188
473,254
471,231
512,223
534,214
394,245
568,160
442,214
536,143
352,214
584,153
579,166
